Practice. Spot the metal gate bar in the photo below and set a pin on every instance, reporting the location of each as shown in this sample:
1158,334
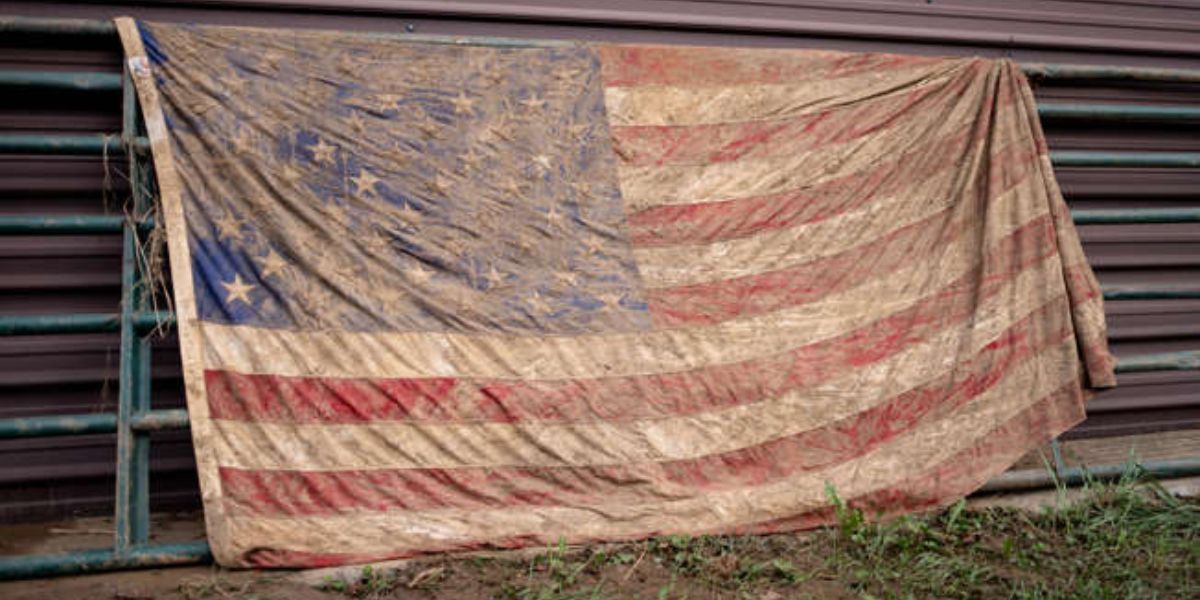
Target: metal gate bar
95,144
67,225
81,323
132,522
54,425
134,419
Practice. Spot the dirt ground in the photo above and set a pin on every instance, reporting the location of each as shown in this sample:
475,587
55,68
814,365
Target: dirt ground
1111,541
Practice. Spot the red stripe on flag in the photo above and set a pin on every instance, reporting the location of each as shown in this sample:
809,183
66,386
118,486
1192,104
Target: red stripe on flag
960,475
260,397
624,66
332,492
709,222
257,397
648,145
718,301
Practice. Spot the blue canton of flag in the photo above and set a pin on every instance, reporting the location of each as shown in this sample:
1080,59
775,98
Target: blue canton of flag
408,199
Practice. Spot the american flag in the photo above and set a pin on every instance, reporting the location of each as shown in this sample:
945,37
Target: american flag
438,295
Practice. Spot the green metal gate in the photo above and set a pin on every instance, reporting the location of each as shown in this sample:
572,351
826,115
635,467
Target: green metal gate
137,324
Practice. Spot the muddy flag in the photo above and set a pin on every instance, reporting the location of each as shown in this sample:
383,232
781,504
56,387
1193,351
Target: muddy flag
441,294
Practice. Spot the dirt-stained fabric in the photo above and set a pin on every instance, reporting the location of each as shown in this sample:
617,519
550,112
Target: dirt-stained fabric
445,294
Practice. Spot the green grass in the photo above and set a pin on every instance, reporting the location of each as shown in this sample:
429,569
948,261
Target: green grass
1129,539
1121,541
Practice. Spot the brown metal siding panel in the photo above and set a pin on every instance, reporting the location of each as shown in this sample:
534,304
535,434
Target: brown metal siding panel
1165,28
68,374
1099,32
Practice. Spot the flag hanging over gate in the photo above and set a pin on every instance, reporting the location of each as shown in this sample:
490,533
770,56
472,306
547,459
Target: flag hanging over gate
438,295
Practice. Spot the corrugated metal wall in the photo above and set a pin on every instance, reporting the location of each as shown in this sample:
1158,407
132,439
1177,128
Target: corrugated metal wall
77,373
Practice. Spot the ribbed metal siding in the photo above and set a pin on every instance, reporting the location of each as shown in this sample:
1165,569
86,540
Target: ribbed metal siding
72,373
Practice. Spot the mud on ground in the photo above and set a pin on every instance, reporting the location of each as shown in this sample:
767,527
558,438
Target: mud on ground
1115,541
